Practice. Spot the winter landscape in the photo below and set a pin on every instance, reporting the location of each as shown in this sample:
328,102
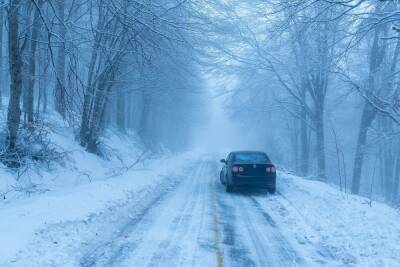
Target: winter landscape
133,132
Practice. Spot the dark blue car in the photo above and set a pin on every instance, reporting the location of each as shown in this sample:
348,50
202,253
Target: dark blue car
248,169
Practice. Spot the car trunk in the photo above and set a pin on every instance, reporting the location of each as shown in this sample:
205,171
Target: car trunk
254,174
254,169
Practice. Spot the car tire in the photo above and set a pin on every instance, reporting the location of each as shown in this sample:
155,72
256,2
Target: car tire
272,190
228,187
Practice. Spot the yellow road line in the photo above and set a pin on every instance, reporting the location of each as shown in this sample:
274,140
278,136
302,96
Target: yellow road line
218,252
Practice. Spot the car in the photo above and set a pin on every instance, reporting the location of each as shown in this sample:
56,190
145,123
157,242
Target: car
248,169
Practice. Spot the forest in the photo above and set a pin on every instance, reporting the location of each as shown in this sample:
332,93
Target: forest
199,133
325,73
315,81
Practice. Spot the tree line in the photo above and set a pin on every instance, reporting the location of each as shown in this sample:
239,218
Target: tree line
326,74
100,64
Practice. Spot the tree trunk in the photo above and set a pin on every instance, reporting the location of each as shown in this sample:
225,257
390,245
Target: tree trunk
43,67
396,182
320,146
294,129
40,78
1,51
367,117
89,94
32,65
45,98
369,112
121,111
15,62
87,103
60,90
100,101
305,148
388,157
144,116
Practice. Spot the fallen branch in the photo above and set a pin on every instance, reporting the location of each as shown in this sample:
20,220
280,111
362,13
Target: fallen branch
141,158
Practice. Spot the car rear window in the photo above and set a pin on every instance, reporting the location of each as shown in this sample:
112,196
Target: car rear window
250,157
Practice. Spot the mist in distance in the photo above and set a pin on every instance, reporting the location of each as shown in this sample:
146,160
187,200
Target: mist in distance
313,84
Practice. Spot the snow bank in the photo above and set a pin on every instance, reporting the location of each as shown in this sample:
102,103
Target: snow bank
84,185
344,228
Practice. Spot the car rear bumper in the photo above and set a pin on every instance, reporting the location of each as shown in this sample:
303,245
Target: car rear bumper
256,181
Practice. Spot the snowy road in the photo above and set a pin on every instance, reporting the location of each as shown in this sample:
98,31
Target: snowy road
195,223
186,220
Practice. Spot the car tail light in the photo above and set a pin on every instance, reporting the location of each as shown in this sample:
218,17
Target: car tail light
237,169
271,169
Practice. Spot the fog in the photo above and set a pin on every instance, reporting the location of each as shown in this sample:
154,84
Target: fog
313,84
220,133
114,115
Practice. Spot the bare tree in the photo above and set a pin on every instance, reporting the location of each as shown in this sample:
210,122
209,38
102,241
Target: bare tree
15,62
121,111
1,51
32,64
60,89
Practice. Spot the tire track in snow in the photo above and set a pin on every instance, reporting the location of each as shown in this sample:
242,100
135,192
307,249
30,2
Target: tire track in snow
284,246
262,235
217,234
235,251
252,236
322,250
280,208
202,226
181,224
174,235
107,252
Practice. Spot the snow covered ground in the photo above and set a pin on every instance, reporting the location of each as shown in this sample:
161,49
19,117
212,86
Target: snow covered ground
345,228
77,190
23,219
172,211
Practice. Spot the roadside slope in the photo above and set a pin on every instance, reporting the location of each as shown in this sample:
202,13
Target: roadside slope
344,229
23,218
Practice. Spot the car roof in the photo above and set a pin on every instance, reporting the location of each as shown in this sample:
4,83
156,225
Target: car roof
247,151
